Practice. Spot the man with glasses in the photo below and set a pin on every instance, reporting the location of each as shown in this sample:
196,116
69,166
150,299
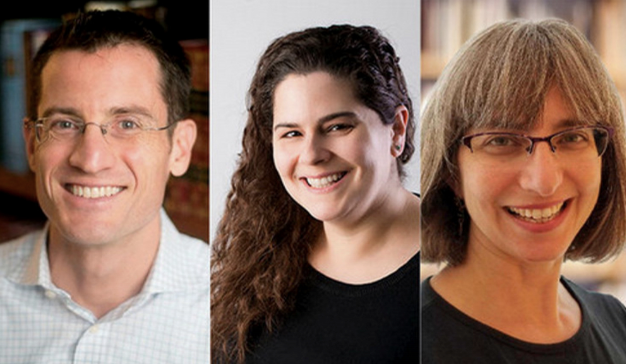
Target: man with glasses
109,279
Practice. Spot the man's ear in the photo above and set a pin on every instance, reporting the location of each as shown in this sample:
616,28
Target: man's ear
29,139
183,140
398,130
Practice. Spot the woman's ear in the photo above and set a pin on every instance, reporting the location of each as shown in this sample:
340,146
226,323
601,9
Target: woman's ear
183,140
398,130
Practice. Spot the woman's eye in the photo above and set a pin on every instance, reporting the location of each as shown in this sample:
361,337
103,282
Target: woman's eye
572,138
291,134
501,141
499,144
339,127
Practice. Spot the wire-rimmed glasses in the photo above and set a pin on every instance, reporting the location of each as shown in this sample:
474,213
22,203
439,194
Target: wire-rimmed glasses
68,128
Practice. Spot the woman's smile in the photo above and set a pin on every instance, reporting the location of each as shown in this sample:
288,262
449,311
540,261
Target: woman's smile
333,154
544,201
323,182
537,215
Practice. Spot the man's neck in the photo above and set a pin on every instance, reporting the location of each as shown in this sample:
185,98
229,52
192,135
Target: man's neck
100,278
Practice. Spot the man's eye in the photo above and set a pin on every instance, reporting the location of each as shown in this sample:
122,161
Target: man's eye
63,125
128,125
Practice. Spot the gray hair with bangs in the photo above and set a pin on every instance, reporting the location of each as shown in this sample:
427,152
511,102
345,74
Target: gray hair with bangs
499,80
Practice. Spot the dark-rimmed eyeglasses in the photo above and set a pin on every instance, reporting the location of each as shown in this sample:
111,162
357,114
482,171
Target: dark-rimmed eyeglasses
578,141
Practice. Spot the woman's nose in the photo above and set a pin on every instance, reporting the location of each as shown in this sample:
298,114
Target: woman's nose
542,172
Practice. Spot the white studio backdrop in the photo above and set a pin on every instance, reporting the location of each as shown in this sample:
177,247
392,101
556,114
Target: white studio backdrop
240,30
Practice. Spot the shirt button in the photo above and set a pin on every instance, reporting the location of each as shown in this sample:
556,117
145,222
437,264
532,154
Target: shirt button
94,329
50,294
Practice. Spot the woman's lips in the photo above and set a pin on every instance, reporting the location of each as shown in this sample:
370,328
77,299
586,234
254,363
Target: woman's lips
538,215
326,181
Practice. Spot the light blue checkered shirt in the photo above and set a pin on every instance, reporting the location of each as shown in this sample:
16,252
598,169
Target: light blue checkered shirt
167,322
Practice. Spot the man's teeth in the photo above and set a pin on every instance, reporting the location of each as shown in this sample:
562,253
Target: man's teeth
538,215
94,192
324,181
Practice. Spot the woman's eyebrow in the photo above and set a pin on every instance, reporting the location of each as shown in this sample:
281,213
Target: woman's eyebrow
285,125
336,115
570,123
322,120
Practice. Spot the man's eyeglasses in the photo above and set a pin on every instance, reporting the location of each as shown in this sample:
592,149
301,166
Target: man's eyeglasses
578,142
67,128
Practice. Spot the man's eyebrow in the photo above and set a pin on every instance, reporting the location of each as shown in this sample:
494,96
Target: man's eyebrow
321,120
60,110
132,109
117,110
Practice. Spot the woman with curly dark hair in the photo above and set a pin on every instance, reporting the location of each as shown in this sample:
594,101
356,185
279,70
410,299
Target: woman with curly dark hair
315,258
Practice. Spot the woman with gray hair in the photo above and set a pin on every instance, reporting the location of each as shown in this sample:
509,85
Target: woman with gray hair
523,167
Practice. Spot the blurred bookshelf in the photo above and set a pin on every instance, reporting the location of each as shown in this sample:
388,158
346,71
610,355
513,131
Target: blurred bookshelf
186,196
447,24
18,216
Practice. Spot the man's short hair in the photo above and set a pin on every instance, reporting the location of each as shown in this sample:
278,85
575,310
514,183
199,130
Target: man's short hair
95,30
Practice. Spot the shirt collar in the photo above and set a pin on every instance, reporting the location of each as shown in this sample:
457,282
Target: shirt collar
34,270
182,263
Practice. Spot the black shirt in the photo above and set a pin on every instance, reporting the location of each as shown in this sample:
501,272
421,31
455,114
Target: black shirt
334,322
451,337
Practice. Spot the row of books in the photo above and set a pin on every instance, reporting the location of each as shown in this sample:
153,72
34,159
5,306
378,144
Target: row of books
447,24
19,41
187,197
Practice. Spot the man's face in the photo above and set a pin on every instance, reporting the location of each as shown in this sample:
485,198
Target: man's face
98,189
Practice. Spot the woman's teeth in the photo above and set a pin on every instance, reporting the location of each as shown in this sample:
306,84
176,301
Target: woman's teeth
94,192
324,181
537,215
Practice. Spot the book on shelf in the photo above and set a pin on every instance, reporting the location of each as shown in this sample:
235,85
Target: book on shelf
187,197
447,24
19,41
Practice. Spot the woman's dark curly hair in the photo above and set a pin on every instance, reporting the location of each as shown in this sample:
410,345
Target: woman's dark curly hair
264,236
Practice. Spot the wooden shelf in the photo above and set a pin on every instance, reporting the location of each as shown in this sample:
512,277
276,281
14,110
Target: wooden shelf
195,228
22,185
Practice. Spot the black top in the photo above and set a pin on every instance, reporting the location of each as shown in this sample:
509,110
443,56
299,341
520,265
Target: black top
334,322
450,336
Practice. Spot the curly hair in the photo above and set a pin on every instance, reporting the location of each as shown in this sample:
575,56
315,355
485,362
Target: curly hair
264,236
500,79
